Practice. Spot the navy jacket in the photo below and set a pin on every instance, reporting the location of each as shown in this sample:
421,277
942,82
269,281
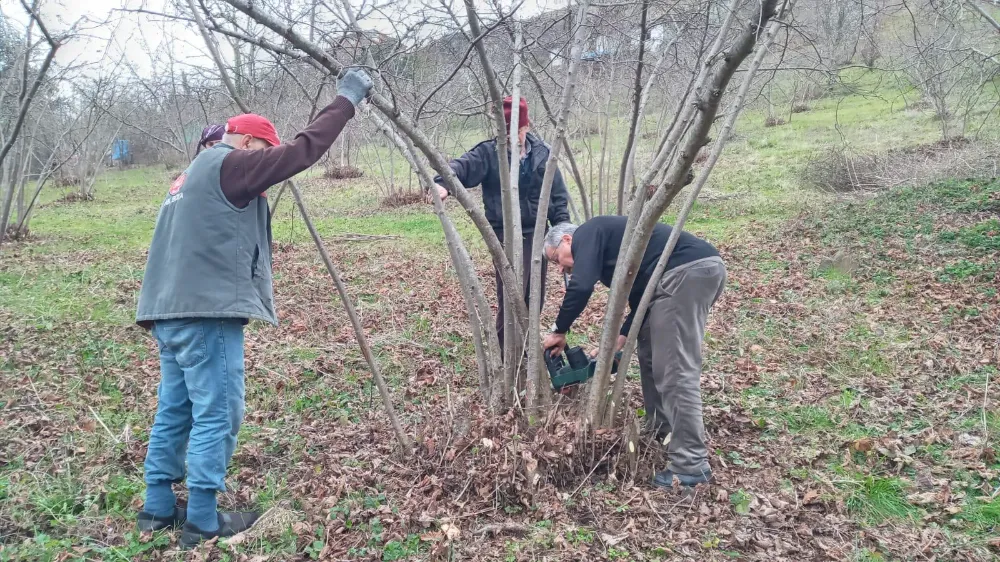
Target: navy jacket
480,166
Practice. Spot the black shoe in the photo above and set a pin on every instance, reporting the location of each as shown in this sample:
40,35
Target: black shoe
230,523
147,522
665,479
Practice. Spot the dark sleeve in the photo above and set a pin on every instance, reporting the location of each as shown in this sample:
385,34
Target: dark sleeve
558,199
248,173
628,319
588,259
471,168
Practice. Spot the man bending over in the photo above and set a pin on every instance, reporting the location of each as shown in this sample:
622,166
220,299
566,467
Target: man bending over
671,336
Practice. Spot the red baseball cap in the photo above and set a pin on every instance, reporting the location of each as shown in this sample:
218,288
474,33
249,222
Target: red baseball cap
253,125
522,112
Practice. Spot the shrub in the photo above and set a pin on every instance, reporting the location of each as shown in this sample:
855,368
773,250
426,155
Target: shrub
342,173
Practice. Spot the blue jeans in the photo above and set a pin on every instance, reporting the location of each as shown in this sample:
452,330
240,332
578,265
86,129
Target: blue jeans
201,400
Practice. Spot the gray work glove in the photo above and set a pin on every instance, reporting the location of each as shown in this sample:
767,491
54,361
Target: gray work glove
355,85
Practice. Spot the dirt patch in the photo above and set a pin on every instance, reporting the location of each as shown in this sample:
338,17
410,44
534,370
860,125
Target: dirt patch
66,180
14,234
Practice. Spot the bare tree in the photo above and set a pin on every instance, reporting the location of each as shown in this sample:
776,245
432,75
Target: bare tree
944,59
26,96
414,109
69,132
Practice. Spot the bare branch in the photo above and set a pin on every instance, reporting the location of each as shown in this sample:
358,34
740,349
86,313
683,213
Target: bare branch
214,51
979,9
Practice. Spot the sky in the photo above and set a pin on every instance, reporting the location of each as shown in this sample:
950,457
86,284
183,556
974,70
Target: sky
108,33
105,32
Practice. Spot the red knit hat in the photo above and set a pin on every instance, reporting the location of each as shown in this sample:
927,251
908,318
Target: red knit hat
522,112
253,125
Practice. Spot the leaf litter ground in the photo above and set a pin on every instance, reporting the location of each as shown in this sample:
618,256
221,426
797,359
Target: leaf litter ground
847,387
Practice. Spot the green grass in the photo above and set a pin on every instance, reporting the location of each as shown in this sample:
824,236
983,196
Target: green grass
402,550
984,236
874,499
61,499
741,501
807,418
983,514
45,548
960,270
868,555
120,493
909,212
53,293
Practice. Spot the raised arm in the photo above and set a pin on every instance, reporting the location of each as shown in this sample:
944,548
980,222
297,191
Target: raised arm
248,173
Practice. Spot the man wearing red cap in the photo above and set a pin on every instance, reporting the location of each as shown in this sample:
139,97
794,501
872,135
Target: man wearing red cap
208,273
481,166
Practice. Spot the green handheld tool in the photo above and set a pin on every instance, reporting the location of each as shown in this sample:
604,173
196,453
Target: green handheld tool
575,369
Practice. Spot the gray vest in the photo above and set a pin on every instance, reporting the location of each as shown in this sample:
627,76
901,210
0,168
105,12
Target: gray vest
208,258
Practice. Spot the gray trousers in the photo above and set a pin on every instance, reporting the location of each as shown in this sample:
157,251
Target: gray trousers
670,359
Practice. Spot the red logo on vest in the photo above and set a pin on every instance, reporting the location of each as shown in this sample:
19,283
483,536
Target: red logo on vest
176,186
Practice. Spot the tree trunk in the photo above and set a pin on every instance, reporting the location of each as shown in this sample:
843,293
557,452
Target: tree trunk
536,365
513,325
516,348
632,147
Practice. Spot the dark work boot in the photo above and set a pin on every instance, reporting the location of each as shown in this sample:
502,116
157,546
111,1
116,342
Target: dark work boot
230,523
147,522
665,479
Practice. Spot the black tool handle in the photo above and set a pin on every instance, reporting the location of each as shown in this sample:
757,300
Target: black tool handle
553,362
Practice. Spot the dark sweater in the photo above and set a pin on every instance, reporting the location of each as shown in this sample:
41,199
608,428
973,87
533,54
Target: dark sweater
249,173
480,166
596,244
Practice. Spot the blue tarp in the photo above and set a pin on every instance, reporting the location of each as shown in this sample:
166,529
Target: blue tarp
597,55
120,150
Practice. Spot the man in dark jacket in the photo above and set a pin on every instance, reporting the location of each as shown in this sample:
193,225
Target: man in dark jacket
671,336
208,273
480,166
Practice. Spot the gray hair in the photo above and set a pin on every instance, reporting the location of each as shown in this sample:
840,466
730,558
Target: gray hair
555,234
